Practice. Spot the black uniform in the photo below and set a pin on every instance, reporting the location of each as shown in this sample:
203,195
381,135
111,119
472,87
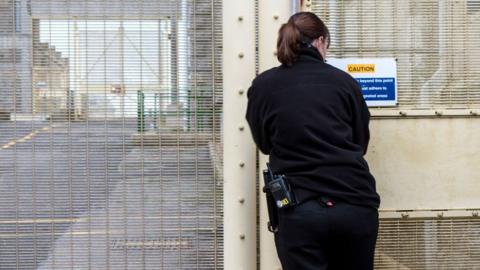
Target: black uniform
312,120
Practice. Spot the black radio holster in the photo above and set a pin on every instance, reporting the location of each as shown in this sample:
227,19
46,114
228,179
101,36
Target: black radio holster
279,195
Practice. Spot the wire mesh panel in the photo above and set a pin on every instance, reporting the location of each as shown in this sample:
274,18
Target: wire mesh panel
435,44
110,135
429,243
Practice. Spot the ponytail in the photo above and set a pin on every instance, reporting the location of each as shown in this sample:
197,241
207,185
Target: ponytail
288,43
302,27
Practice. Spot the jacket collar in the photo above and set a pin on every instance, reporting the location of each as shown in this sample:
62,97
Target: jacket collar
310,53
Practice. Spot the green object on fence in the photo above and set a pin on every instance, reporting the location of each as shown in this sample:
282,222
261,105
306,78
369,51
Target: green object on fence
140,111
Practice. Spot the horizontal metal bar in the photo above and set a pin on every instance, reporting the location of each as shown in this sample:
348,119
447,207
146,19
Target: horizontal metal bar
443,213
104,17
99,232
86,219
436,113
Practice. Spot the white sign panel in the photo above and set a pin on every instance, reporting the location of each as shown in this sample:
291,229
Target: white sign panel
377,78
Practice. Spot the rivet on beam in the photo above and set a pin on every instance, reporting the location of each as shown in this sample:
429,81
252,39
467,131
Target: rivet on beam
241,55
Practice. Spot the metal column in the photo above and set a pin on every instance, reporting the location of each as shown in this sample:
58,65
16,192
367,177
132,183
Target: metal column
272,14
239,149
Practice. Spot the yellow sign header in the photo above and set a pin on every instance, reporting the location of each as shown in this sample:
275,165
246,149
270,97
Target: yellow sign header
361,68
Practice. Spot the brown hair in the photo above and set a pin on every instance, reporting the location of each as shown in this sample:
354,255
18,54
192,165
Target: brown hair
302,27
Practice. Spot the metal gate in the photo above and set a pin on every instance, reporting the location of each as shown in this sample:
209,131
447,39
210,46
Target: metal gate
110,134
420,150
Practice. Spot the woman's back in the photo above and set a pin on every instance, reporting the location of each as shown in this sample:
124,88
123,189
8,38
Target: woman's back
312,120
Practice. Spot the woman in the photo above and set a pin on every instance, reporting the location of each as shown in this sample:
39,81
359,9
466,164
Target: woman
312,120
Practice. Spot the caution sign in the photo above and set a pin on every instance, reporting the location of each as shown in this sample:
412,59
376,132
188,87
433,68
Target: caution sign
377,78
361,68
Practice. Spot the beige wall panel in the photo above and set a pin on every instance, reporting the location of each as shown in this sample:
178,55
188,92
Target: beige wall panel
426,163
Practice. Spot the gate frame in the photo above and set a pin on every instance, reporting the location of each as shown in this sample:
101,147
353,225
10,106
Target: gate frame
240,170
239,151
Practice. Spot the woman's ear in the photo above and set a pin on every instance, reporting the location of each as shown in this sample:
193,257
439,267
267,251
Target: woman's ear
320,45
317,42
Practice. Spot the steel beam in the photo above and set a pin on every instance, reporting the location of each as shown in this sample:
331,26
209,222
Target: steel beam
273,14
240,251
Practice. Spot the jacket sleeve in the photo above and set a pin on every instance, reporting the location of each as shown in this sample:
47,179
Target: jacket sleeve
361,118
256,115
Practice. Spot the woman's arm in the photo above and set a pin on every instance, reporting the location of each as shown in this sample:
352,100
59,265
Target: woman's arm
256,112
361,118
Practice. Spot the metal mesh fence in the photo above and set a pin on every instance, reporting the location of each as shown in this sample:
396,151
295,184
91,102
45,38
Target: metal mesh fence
435,44
110,134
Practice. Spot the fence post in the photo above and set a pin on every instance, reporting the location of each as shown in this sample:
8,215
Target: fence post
239,158
140,111
272,14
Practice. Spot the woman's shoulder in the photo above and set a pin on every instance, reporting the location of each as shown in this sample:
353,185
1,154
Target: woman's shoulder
265,76
340,74
341,77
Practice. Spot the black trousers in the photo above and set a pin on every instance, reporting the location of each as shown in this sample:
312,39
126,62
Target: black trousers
314,236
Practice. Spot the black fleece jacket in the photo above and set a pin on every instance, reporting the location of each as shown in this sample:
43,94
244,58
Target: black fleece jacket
312,120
